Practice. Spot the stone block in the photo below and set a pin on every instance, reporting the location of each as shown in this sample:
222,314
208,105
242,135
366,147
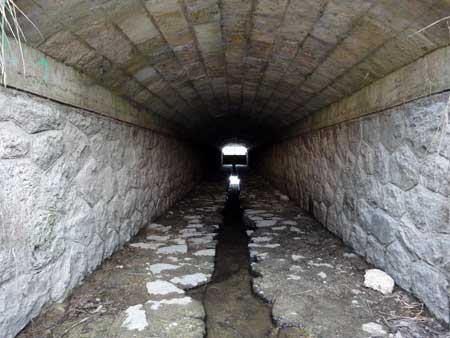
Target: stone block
393,200
138,27
427,210
36,115
358,240
382,226
14,142
375,252
398,264
46,148
403,168
392,128
431,287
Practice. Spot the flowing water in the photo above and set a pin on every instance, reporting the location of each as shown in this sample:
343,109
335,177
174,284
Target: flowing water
233,311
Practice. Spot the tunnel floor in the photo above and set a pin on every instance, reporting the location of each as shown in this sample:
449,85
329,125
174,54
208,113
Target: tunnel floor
275,272
232,308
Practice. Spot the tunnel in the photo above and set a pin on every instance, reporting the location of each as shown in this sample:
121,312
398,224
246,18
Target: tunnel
122,215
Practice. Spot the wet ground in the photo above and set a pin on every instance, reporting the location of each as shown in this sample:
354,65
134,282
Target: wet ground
294,279
232,308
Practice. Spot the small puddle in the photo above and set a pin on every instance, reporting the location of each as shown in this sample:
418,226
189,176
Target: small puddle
231,307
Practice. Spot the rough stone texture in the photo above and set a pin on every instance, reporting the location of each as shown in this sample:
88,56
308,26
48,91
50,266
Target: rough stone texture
381,184
271,62
74,188
316,283
131,294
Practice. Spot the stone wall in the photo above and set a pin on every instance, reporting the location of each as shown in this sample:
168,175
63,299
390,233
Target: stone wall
74,187
382,184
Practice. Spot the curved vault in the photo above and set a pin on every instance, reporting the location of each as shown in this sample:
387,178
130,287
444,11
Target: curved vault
235,68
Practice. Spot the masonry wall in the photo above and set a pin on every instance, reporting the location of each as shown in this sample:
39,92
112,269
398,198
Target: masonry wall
74,187
382,184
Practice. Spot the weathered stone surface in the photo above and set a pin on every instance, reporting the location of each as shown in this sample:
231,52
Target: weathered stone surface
428,210
432,287
71,194
382,226
46,148
391,205
403,168
398,264
13,141
36,115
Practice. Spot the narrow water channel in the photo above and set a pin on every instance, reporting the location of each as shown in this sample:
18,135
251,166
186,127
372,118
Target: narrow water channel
232,310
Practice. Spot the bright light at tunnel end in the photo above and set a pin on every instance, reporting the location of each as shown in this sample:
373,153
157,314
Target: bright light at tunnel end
234,150
234,180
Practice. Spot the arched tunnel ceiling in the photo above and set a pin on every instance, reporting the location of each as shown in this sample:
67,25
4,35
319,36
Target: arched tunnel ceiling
213,65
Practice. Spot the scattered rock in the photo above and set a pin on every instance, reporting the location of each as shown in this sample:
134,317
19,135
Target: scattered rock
379,281
173,249
159,267
136,318
161,287
190,281
322,275
374,329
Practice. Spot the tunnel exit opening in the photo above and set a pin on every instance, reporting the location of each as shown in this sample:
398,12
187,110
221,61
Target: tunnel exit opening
234,154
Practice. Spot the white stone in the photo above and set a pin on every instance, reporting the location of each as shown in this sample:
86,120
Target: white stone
297,257
174,301
294,277
254,211
262,239
350,255
205,252
161,287
146,246
157,238
196,225
322,275
157,268
159,227
201,240
284,197
289,222
265,223
282,227
178,241
190,280
190,232
154,226
326,265
379,281
374,329
136,318
173,249
270,246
